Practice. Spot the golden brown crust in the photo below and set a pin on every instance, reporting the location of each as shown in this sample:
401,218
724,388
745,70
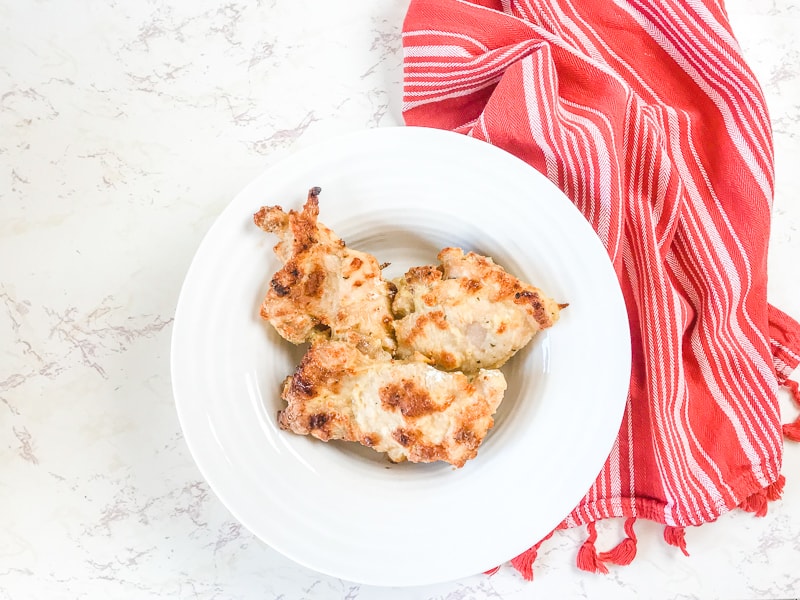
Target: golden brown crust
405,408
426,274
420,451
468,313
504,286
409,398
324,289
271,218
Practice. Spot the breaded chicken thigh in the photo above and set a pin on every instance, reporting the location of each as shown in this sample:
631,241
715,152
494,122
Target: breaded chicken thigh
407,409
325,289
468,314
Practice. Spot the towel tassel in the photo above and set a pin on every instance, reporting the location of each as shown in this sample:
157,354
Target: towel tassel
675,536
755,503
624,552
791,431
587,555
492,571
524,562
775,490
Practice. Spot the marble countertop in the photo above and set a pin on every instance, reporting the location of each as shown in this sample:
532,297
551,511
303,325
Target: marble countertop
125,129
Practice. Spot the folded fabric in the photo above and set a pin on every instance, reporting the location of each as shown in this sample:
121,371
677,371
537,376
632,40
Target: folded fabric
645,114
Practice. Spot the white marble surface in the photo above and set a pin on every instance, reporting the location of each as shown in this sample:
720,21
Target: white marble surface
124,129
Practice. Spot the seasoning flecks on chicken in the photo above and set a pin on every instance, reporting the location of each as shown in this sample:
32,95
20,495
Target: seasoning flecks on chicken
467,314
407,409
325,289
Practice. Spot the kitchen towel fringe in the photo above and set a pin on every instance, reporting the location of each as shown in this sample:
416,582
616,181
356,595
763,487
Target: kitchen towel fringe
524,562
757,503
624,552
775,490
791,431
587,554
675,536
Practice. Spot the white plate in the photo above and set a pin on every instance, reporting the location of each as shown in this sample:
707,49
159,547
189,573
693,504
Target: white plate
402,194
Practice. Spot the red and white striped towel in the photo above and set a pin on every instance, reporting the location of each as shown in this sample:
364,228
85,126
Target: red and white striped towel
645,114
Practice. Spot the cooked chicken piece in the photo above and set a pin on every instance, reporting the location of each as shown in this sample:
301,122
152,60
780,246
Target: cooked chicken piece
468,314
407,409
325,289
